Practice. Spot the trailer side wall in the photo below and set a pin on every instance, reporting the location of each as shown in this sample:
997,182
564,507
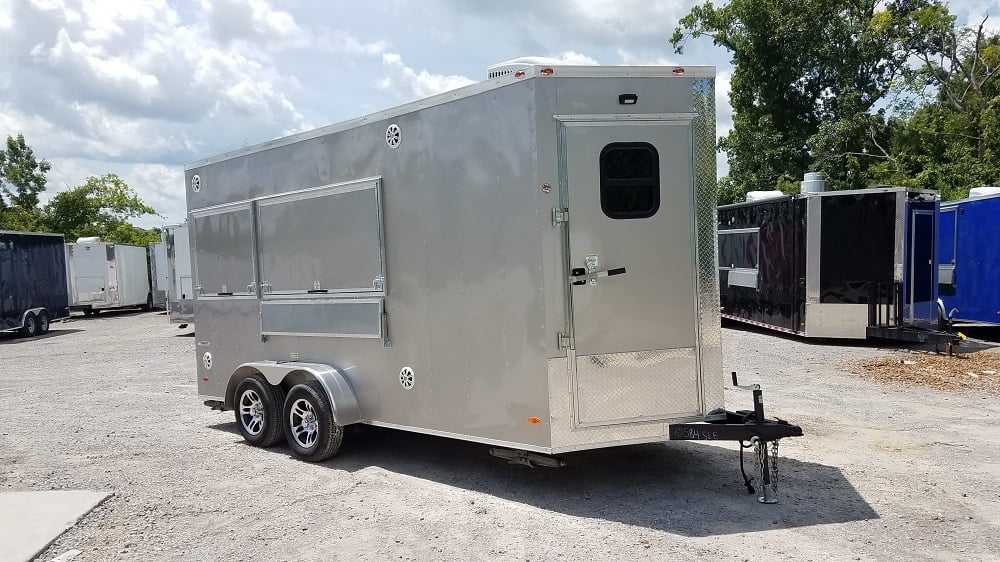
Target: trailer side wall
32,275
968,239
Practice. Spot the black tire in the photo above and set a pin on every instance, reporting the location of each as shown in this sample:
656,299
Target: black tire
30,327
149,303
88,312
257,405
43,322
308,419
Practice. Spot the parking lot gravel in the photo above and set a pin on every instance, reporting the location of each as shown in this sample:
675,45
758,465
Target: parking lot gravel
884,471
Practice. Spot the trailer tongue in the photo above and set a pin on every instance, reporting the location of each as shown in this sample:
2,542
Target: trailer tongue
745,425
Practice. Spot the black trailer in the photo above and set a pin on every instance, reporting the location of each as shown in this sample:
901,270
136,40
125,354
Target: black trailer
839,264
33,287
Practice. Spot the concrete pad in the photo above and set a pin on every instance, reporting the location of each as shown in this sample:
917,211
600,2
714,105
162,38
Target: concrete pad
31,521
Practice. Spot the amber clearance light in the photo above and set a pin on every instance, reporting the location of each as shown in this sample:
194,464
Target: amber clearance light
533,419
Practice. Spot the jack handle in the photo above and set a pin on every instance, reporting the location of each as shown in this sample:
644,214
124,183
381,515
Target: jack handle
758,397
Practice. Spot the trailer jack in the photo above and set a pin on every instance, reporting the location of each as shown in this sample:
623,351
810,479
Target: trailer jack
746,426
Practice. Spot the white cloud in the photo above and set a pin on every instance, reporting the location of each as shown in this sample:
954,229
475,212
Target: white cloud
408,84
6,14
575,58
622,17
253,21
342,42
632,58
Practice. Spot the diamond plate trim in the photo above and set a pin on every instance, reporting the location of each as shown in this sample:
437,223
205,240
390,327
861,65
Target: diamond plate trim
636,386
567,437
706,225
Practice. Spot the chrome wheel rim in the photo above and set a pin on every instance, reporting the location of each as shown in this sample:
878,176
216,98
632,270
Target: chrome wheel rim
30,325
44,323
251,412
303,423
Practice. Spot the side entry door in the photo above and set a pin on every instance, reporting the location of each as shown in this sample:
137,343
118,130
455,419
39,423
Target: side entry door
921,291
630,196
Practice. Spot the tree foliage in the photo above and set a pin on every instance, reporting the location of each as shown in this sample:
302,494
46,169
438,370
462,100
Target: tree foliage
952,141
22,176
103,206
816,87
100,207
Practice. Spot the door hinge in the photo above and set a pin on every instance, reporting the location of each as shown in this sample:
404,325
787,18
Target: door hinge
565,341
559,216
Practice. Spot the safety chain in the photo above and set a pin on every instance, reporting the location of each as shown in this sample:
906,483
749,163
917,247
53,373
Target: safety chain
772,464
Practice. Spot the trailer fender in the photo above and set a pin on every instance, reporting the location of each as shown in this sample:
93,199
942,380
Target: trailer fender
35,311
343,401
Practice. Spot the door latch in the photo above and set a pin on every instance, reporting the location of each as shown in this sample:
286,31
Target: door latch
589,274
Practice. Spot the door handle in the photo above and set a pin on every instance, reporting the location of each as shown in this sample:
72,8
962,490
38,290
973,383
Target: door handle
579,275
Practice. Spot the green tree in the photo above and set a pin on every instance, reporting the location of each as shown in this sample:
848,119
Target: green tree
952,141
22,178
101,207
802,65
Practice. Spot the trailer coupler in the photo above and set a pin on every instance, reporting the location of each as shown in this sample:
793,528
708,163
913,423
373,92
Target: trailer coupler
746,426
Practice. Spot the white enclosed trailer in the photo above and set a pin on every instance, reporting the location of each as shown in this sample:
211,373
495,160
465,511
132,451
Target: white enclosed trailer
158,273
104,276
180,288
527,262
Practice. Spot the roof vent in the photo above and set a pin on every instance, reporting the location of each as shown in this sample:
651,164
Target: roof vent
813,182
88,240
754,196
513,65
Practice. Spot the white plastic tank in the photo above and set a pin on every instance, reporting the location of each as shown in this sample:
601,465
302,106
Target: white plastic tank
754,196
813,182
984,191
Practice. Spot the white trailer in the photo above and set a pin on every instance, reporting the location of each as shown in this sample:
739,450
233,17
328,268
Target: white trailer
180,287
104,276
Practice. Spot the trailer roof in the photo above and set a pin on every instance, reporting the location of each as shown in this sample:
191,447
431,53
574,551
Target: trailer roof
970,199
32,233
529,72
831,194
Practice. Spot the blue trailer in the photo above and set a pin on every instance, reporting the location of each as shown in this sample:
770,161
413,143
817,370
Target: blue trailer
969,257
33,287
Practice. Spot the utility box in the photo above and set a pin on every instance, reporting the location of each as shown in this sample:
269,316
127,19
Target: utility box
33,288
527,262
105,276
180,288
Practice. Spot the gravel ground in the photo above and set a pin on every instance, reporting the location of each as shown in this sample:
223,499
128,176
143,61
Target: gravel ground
109,403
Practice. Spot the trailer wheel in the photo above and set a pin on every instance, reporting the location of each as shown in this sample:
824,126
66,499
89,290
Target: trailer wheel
258,411
30,327
43,322
309,428
149,303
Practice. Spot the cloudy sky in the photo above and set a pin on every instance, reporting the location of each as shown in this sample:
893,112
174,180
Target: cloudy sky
141,87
